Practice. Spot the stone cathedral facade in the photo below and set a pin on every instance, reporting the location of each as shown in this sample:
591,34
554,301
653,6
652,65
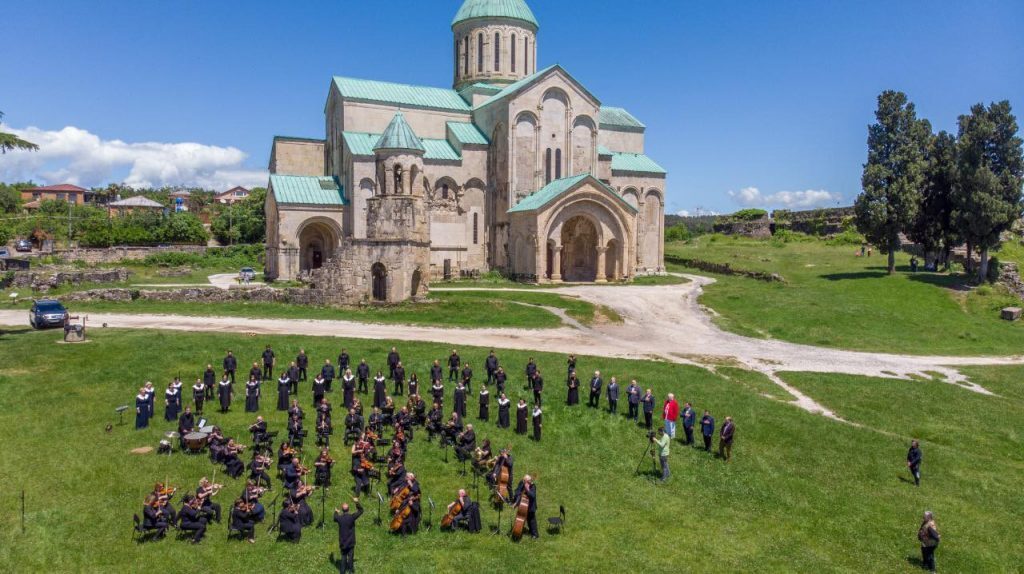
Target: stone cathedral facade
516,168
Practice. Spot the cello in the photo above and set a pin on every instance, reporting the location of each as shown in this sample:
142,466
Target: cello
454,511
401,516
399,498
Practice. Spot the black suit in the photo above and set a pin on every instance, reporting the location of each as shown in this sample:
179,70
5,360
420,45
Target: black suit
347,537
531,512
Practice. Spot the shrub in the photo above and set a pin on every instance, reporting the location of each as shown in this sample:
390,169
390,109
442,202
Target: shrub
751,214
849,236
677,233
783,236
993,269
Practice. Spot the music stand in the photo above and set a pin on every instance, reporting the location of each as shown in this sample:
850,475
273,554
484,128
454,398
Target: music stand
120,414
501,506
430,519
274,513
323,507
380,501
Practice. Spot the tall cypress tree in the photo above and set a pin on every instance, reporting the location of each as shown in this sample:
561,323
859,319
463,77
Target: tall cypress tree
933,227
894,173
990,172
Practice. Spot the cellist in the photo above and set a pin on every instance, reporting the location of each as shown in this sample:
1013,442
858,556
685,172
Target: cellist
528,489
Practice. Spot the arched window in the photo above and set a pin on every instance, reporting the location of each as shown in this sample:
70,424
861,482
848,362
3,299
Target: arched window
547,166
526,56
558,163
398,180
465,57
444,191
476,229
480,53
458,45
497,52
513,54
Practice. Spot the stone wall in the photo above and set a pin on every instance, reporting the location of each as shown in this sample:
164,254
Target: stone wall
725,269
43,280
116,254
294,295
758,229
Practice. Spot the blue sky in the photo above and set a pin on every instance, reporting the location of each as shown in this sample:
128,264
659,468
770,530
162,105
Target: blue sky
747,103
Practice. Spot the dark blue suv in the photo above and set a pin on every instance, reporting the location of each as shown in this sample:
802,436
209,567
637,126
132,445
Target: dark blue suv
47,313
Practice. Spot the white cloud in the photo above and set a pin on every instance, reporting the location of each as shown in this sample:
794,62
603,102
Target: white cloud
73,155
752,197
683,213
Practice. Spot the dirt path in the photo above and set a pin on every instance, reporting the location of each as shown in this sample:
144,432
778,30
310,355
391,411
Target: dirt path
659,322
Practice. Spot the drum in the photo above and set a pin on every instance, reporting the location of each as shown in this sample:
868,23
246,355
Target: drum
196,441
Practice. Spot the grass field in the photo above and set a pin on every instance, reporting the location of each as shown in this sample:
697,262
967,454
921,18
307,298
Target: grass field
450,309
832,298
803,493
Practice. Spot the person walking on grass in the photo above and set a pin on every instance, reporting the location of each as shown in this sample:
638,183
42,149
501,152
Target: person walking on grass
928,535
914,461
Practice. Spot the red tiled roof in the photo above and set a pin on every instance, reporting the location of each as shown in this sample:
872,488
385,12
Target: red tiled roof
64,187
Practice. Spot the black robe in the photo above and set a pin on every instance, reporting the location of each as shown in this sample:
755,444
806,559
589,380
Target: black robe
460,401
173,399
503,412
282,394
485,406
252,397
224,394
521,415
379,393
573,397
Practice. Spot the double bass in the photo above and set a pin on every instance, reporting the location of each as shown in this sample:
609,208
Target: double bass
522,509
501,485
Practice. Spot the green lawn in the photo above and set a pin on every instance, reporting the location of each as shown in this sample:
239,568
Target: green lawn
803,493
450,308
832,298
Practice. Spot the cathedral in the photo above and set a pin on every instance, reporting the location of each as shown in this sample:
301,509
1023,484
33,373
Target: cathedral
516,168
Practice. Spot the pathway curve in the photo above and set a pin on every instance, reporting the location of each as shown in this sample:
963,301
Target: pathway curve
659,322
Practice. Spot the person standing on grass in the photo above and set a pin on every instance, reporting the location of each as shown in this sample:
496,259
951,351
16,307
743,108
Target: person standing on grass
538,387
199,395
648,402
689,417
707,429
725,439
210,379
255,371
393,359
633,399
302,362
363,375
670,412
268,363
914,461
491,366
347,534
293,377
531,370
663,442
538,420
928,535
328,373
141,409
230,364
613,396
454,361
595,390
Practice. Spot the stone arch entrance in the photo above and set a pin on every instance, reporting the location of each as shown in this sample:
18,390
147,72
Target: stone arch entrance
611,263
317,243
380,282
579,250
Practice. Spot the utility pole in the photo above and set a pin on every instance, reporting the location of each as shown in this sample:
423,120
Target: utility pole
231,224
69,223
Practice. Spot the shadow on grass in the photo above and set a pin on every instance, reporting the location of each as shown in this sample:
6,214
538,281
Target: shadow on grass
954,282
8,331
855,275
916,562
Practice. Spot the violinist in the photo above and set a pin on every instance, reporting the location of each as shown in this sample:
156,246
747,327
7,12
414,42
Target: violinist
419,410
290,523
388,412
162,496
284,455
396,475
154,517
403,423
300,497
291,473
251,495
233,465
465,444
294,429
243,521
376,420
204,494
323,465
361,477
353,426
186,423
258,469
528,489
434,418
217,443
192,519
357,406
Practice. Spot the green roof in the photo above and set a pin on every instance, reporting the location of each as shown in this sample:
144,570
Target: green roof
362,144
601,150
635,162
619,118
524,82
307,190
551,191
467,133
401,94
514,9
398,135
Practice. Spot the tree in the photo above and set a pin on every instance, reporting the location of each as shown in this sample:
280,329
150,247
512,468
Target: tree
989,175
10,196
894,173
243,222
10,142
934,228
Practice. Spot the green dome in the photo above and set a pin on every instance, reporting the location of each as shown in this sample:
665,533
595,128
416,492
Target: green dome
399,135
513,9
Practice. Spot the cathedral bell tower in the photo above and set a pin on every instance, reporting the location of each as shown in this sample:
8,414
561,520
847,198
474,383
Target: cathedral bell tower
495,42
399,211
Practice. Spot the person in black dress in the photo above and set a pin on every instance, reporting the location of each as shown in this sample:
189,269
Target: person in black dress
199,395
398,376
290,523
379,390
571,363
141,409
252,396
242,520
348,388
485,404
150,398
460,399
414,385
522,411
504,406
573,384
282,392
538,419
363,376
437,392
319,389
172,403
224,393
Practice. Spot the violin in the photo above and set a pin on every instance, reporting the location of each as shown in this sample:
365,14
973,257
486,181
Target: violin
365,463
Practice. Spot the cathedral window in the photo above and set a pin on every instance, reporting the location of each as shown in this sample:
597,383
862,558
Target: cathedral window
458,44
476,229
513,54
398,180
526,56
547,166
480,53
497,52
558,164
444,191
465,57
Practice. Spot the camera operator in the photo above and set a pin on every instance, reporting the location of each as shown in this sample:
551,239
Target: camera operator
663,441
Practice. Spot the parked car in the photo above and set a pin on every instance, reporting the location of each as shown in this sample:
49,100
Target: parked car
5,252
47,313
23,245
247,274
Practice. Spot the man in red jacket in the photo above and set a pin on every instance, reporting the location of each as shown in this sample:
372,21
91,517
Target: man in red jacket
670,412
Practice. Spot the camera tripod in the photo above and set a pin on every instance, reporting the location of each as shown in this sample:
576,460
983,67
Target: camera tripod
654,463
